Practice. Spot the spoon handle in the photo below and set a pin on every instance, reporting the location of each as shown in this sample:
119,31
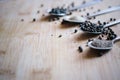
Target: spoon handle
86,4
116,39
115,8
112,23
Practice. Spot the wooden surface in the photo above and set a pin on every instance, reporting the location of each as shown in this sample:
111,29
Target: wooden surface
33,50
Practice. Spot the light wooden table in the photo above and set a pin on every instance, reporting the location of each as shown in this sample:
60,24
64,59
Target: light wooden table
33,51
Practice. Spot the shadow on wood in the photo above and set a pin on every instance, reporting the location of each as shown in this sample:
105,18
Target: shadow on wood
83,36
49,18
92,53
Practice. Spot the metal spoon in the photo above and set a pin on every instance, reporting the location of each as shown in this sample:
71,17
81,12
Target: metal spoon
107,25
78,19
111,42
66,12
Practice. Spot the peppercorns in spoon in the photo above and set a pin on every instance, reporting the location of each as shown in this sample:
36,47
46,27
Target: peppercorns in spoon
92,28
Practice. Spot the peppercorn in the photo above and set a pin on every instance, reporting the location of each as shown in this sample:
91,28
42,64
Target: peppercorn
60,36
98,10
99,22
114,19
34,19
41,5
88,14
109,6
38,11
75,31
104,23
111,19
22,20
83,2
80,49
94,17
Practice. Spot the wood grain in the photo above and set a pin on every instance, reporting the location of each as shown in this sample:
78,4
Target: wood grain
33,50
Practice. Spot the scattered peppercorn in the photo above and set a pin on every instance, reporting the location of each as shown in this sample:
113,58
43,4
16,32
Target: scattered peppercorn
104,23
114,19
82,16
98,10
109,6
34,19
38,11
94,17
83,2
88,14
22,20
41,5
111,19
60,36
51,34
43,14
75,31
80,49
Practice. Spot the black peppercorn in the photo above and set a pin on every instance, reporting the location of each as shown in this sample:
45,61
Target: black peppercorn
83,2
88,14
38,11
104,23
34,19
80,49
98,10
94,17
75,31
41,5
60,36
111,19
114,19
99,22
109,6
22,20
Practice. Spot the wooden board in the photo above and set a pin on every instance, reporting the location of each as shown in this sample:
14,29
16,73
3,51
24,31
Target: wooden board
33,50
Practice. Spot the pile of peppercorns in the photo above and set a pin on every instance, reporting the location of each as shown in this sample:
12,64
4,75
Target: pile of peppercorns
58,10
107,34
91,27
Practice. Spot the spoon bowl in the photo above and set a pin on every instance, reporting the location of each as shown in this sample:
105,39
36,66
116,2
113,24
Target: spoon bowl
56,14
90,44
74,19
